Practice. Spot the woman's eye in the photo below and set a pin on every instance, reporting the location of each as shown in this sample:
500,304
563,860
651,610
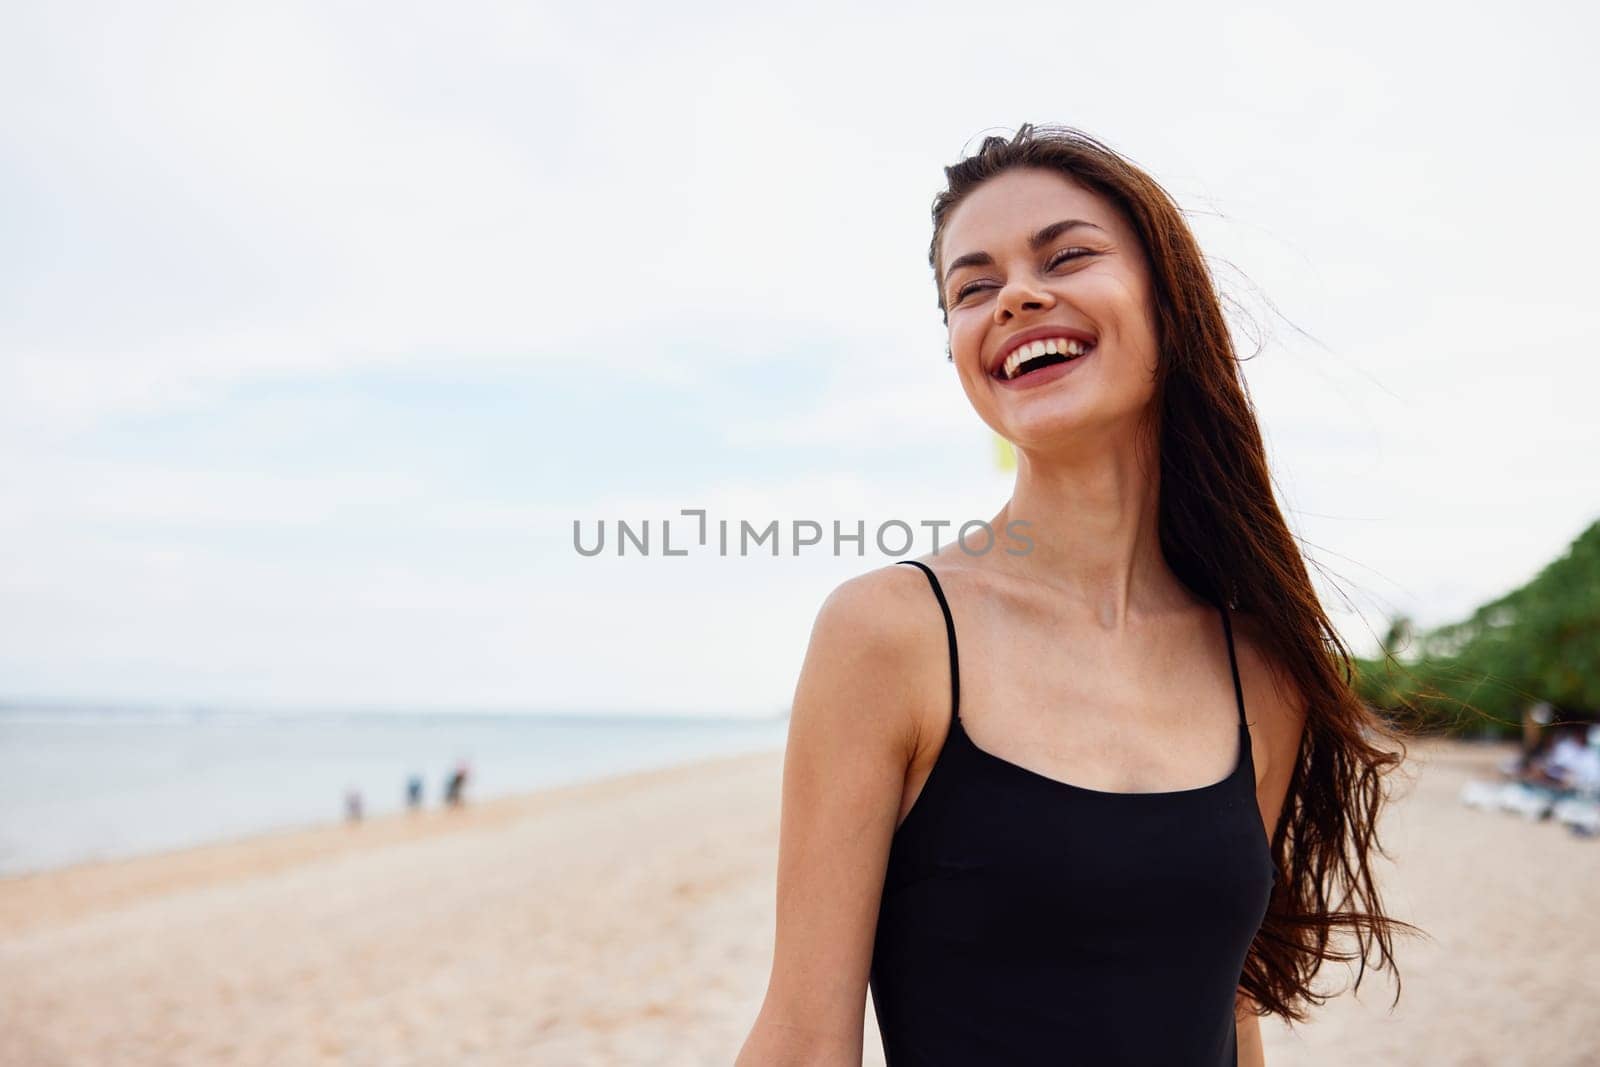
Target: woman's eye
1055,260
1069,253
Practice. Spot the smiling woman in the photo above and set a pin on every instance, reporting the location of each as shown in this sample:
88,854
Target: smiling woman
1122,846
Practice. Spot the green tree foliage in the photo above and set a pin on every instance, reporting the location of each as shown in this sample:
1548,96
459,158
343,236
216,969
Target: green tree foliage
1539,642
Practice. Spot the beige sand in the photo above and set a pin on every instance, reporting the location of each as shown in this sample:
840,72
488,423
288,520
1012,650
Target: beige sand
630,922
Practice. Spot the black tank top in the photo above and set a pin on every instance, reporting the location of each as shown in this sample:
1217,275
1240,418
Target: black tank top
1026,921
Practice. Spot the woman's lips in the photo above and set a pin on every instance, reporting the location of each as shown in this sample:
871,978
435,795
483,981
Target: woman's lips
1045,375
1042,339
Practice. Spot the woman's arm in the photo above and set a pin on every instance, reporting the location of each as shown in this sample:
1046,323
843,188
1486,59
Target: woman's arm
852,732
1248,1024
1278,719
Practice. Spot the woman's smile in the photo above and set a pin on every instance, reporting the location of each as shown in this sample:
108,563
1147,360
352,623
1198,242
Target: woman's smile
1042,370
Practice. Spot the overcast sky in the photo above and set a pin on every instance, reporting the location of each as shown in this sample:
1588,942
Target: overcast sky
320,324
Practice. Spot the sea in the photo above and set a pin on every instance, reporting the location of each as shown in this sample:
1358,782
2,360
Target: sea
85,784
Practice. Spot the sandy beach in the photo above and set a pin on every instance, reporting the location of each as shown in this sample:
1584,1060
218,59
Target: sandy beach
629,921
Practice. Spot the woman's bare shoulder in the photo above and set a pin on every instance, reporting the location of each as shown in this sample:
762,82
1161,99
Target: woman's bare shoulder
887,605
883,630
1274,703
1259,653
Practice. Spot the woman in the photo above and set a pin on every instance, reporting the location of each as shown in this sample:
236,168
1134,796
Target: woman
1120,818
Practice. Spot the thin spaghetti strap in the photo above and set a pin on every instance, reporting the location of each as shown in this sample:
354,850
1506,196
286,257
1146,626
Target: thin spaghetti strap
950,632
1233,662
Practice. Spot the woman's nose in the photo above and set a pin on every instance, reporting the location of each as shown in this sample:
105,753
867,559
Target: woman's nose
1021,296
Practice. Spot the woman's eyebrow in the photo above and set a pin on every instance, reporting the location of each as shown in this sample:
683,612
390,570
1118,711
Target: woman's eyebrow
1037,241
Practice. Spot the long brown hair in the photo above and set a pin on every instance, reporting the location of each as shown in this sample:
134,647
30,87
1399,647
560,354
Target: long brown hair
1224,536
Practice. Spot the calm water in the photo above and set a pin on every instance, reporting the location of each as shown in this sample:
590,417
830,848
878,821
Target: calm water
83,785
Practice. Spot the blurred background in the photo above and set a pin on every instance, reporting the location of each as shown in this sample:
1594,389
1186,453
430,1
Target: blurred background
323,328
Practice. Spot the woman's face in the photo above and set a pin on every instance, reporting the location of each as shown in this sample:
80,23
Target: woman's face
1013,270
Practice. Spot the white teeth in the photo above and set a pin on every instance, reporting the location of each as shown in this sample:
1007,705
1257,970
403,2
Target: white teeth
1060,346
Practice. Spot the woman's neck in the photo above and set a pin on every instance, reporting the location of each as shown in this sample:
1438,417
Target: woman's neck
1092,520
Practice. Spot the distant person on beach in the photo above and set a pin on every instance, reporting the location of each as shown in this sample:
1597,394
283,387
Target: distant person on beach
414,792
456,783
352,805
1534,718
1135,811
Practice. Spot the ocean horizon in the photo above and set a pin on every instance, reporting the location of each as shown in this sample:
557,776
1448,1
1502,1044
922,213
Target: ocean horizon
81,783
